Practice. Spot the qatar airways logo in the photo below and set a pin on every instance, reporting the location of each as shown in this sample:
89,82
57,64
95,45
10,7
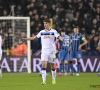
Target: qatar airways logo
13,64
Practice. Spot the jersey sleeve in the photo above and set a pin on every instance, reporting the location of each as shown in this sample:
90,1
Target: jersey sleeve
38,35
56,34
82,37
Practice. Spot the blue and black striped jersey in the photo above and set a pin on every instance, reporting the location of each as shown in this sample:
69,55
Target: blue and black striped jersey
76,41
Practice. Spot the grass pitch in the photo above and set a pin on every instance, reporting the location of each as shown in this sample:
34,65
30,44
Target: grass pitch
25,81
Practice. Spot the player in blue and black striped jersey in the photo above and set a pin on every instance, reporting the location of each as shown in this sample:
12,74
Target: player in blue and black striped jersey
76,45
64,53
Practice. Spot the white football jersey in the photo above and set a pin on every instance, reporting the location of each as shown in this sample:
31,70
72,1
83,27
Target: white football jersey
47,37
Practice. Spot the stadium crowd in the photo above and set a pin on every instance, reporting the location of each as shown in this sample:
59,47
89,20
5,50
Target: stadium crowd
64,13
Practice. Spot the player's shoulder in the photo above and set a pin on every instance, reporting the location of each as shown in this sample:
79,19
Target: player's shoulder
53,30
42,30
80,34
67,36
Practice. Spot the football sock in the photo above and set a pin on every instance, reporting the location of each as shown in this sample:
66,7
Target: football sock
66,68
60,68
71,66
44,74
78,67
53,74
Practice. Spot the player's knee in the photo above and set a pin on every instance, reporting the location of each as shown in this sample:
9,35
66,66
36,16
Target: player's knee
43,65
71,59
78,61
61,62
65,62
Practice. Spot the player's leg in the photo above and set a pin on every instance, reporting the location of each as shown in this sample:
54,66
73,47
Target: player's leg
66,63
60,67
40,73
78,67
44,59
61,61
53,70
78,56
71,62
65,67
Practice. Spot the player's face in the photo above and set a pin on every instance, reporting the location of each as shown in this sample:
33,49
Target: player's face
76,30
46,25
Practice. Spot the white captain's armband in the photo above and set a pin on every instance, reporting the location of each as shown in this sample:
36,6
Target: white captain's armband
83,38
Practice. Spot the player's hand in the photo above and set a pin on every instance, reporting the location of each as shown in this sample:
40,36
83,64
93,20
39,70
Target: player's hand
64,40
22,39
79,48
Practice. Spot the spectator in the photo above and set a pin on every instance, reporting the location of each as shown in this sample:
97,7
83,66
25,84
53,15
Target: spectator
65,14
21,49
5,13
92,46
13,50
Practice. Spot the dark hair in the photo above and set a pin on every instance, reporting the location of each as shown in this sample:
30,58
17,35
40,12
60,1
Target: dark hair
47,20
76,27
62,30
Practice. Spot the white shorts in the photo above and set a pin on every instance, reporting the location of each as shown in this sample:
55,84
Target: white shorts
48,55
0,54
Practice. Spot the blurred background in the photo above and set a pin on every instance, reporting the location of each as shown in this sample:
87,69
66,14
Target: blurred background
64,14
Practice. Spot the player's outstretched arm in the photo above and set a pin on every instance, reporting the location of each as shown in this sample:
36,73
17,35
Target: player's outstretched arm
30,38
62,39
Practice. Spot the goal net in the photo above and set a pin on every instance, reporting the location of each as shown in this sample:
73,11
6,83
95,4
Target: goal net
16,55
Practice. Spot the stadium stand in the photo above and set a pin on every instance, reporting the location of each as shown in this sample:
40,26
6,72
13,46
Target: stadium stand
64,13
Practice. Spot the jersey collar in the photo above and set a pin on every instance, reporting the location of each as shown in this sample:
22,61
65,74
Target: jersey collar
47,30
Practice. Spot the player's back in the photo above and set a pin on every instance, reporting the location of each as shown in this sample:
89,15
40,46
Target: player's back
66,43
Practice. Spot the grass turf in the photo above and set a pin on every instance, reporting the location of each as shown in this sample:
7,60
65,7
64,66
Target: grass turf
25,81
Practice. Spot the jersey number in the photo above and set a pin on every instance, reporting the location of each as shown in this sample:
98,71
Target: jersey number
66,43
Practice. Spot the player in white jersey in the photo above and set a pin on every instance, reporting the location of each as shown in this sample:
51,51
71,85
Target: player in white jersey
48,50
